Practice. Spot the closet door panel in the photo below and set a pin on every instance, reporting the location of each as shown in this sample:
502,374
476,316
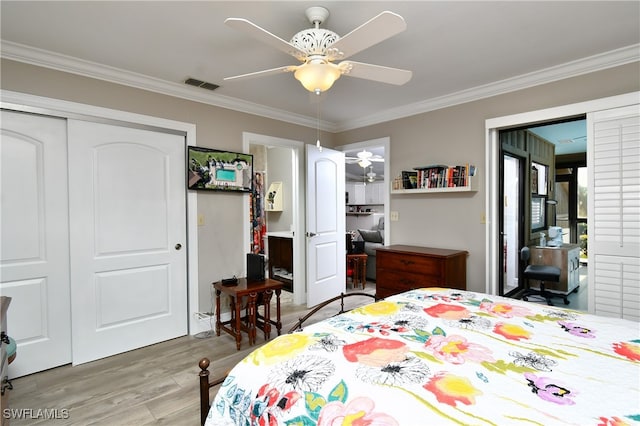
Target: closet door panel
614,212
127,202
34,251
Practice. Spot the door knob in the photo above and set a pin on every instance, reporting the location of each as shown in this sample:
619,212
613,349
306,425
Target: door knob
311,234
178,246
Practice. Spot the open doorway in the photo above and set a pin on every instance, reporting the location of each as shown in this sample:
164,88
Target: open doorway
281,162
302,205
271,211
512,221
535,205
367,198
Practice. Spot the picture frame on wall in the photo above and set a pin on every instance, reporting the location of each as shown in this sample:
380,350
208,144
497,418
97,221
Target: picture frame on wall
217,170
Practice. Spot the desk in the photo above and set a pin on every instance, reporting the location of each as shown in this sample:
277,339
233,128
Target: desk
252,290
359,265
565,257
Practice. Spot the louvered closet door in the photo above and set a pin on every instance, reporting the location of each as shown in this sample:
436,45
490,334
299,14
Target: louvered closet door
614,213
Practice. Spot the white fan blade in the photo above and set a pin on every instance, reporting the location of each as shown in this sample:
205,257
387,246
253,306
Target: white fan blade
265,36
375,30
279,70
375,72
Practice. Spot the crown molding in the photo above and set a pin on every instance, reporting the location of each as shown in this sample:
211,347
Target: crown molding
575,68
47,59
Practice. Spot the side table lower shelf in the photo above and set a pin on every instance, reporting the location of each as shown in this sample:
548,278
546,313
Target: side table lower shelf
257,293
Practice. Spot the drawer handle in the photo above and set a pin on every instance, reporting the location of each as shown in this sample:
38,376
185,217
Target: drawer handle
406,262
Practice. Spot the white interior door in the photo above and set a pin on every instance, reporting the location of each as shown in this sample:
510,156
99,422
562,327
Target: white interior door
128,227
34,250
326,259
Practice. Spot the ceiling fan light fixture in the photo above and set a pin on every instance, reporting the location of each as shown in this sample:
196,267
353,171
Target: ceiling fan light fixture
317,76
364,163
371,176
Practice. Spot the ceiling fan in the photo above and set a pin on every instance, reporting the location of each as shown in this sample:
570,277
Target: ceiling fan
364,158
371,175
317,48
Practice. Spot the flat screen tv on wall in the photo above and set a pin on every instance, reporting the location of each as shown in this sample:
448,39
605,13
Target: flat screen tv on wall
212,169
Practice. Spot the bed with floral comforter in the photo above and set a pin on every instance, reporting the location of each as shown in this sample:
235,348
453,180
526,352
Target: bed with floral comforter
441,356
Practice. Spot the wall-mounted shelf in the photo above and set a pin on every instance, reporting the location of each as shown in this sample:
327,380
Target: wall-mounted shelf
437,179
472,187
273,198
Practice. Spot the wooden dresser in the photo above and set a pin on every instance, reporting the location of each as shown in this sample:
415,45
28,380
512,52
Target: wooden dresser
401,267
4,305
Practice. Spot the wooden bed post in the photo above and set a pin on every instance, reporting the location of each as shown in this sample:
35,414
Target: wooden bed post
205,385
204,389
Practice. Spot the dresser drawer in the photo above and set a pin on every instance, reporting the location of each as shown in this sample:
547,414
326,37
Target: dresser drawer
390,282
401,268
406,280
418,264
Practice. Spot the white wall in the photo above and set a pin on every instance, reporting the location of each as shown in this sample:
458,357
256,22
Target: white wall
279,162
457,135
447,135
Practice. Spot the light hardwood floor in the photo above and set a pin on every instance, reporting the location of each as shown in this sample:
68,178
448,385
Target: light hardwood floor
157,384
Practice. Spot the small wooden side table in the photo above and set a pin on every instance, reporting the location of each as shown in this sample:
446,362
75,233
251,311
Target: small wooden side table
359,264
250,289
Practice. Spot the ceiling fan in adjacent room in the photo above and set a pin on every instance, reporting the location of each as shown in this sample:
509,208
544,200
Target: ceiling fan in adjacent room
364,159
371,175
317,48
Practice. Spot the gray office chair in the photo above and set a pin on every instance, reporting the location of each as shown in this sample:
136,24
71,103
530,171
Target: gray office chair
543,273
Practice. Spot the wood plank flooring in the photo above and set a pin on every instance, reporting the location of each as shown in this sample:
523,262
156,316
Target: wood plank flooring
157,384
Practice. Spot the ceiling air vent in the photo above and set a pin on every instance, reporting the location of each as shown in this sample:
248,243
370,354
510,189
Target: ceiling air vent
199,83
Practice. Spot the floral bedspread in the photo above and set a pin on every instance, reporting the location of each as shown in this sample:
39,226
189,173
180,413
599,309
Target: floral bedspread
440,356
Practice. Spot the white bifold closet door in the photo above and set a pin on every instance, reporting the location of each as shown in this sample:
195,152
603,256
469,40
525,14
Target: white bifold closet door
93,238
127,210
614,212
34,233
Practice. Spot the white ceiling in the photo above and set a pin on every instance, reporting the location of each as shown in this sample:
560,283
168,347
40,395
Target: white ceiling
458,51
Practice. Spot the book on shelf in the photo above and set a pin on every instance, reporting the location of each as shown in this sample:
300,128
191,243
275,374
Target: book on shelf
438,176
409,179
